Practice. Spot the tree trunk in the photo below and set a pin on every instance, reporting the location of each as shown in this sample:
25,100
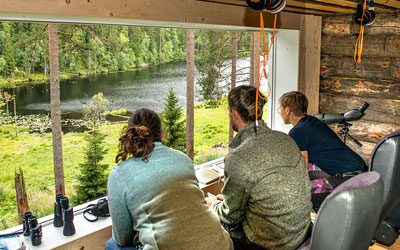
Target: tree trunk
190,95
15,113
45,66
233,75
252,55
160,46
90,62
95,62
55,111
22,199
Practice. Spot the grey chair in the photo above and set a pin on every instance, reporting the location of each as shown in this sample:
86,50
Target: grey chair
348,217
385,159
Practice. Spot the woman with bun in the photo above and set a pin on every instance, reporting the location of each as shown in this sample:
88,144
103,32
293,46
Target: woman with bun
154,199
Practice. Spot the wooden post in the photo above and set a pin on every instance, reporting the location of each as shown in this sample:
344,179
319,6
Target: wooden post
55,111
22,199
310,57
190,95
233,75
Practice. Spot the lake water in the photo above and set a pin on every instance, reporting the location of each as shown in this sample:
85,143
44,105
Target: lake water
142,88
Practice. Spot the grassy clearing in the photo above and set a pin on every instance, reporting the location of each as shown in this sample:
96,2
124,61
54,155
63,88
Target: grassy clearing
33,153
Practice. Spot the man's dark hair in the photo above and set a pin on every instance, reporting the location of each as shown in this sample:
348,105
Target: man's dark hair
243,100
296,101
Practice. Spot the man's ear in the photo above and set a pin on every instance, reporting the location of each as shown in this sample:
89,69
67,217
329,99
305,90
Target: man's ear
235,114
288,110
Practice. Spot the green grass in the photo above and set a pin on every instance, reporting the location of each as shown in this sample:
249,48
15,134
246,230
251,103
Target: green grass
33,153
36,78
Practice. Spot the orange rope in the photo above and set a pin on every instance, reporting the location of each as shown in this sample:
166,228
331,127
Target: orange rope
265,57
359,42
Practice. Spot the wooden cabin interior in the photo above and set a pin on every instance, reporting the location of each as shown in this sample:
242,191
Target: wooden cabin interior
324,67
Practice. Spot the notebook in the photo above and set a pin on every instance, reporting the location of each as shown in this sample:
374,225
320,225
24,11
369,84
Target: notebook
206,175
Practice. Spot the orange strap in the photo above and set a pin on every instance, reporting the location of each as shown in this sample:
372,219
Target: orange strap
359,42
265,57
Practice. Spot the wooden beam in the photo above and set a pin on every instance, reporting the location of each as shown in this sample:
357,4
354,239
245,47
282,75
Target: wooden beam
308,5
332,3
167,13
346,4
390,3
306,11
310,53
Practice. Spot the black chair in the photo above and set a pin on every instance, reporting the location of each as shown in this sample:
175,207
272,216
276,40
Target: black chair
348,217
386,161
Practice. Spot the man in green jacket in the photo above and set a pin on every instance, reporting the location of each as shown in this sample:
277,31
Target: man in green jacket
266,201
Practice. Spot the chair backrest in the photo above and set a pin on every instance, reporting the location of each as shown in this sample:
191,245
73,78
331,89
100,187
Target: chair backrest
385,160
348,217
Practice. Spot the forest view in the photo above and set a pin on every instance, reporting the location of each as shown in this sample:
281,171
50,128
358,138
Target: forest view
86,50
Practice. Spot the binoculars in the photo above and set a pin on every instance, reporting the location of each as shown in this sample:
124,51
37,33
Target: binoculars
64,215
32,228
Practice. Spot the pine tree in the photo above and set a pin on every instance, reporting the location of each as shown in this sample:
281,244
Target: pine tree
173,125
92,180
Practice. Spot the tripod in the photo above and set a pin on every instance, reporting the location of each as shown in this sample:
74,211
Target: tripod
344,130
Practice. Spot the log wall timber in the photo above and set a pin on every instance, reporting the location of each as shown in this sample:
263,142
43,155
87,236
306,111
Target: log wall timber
344,85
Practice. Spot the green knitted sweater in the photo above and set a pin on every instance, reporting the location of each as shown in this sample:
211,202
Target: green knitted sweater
267,188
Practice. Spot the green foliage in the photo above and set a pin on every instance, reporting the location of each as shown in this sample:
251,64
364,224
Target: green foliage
173,123
95,110
120,111
92,180
214,49
87,49
210,155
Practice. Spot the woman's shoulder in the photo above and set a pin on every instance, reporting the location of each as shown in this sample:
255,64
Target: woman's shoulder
120,168
172,152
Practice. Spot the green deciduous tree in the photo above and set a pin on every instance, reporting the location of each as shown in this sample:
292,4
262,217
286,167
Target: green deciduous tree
173,124
94,111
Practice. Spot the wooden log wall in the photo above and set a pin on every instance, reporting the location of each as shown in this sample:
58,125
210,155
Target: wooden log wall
344,85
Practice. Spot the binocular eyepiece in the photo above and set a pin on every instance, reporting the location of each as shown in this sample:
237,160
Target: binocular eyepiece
64,215
25,224
36,231
58,220
33,228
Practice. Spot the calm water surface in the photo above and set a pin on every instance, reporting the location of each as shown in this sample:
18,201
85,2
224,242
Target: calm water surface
131,90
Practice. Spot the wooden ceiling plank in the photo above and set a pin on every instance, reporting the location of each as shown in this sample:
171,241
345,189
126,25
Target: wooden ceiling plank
339,3
318,7
306,11
344,3
390,3
230,2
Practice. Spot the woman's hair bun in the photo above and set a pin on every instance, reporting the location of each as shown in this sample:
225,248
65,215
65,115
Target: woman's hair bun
137,141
